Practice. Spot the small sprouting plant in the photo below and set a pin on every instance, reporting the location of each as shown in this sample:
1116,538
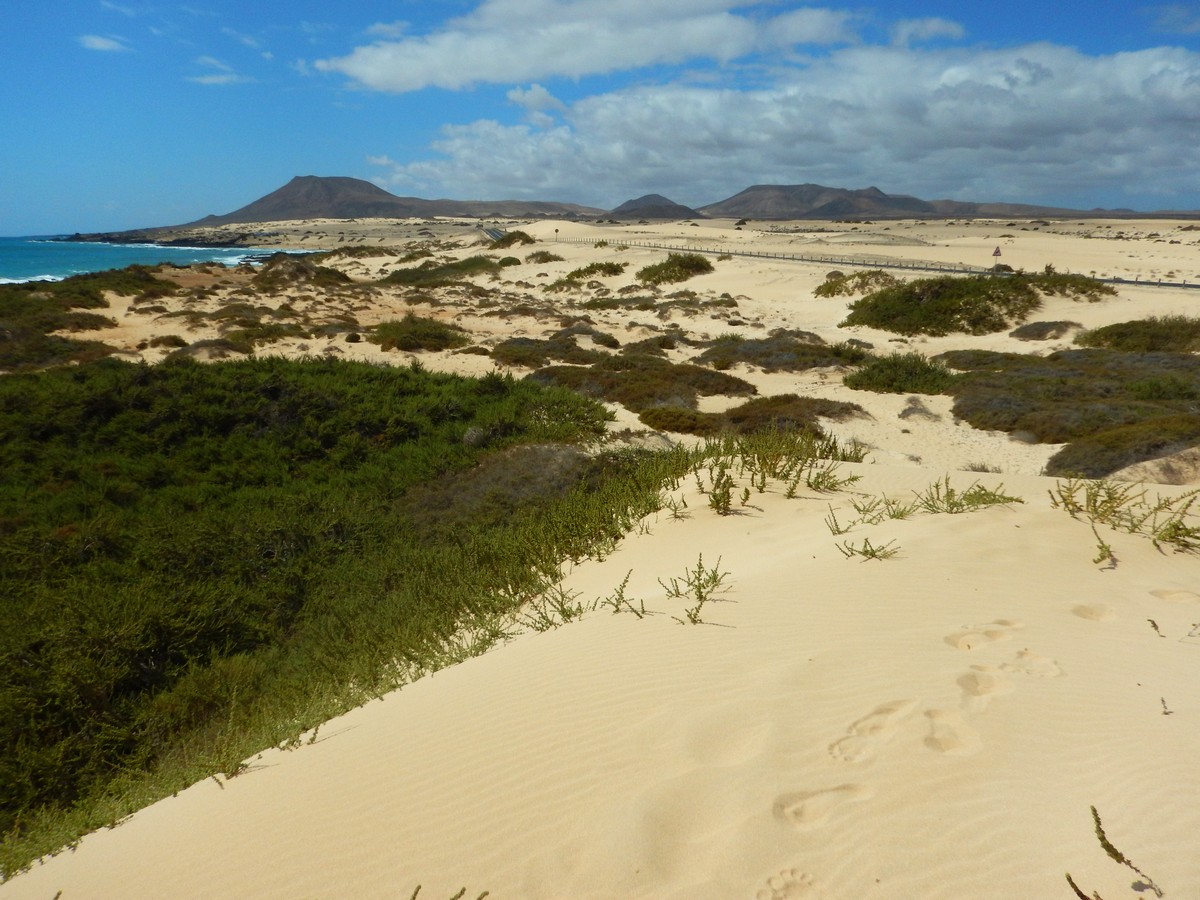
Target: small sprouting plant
720,498
1116,856
836,527
618,602
699,584
1104,552
1125,507
942,497
555,607
868,550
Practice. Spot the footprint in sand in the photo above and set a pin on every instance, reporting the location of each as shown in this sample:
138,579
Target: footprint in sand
790,884
980,685
872,731
1172,596
813,808
950,734
1029,663
974,636
1095,612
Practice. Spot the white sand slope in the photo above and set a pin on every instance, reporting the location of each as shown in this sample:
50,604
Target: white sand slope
934,725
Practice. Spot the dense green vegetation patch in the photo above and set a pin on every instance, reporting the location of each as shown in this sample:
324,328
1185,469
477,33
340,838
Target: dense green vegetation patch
188,547
784,412
31,313
1043,331
541,257
838,284
901,373
511,239
640,382
413,333
1107,404
782,351
430,274
676,267
597,269
1165,334
976,304
283,270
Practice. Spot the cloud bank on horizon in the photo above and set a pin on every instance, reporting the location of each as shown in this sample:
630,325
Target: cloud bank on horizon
596,101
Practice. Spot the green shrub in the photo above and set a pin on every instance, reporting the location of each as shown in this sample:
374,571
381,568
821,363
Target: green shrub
676,267
511,239
1078,287
202,561
597,269
1166,334
838,284
282,271
640,382
785,412
1104,452
1043,331
978,304
681,420
541,257
430,274
901,373
168,340
414,333
783,351
507,261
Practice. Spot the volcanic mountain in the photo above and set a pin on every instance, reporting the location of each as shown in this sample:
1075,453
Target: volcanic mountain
317,197
654,206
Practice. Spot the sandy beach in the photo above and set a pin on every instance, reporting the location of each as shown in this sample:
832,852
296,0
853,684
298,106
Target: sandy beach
939,721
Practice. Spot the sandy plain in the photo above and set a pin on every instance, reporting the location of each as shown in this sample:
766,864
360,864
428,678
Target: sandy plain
937,724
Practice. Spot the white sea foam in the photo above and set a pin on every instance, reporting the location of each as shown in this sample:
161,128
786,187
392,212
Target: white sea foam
31,278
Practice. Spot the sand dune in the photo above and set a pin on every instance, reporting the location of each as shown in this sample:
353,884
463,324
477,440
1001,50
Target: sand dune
937,724
933,725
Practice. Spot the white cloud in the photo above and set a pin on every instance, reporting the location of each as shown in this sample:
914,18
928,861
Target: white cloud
104,44
910,31
224,74
1039,123
388,30
243,39
515,41
1177,18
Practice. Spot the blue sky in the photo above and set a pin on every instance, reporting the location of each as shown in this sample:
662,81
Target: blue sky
128,113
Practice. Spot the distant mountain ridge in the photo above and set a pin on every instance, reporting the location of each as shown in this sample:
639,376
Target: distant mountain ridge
326,197
335,197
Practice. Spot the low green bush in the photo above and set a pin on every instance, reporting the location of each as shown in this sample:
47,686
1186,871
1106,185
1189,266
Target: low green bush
597,269
1104,452
414,333
1165,334
511,239
541,257
978,304
783,351
787,412
640,382
508,261
676,267
431,274
838,284
1043,331
901,373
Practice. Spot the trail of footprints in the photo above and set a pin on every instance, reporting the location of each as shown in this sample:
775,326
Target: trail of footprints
947,732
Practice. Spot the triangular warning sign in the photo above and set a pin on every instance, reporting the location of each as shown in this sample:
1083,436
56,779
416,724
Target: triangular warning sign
996,252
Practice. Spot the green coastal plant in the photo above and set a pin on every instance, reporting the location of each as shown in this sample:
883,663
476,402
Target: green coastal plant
413,333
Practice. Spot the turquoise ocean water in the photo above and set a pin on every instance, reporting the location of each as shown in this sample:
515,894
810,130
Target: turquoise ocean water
45,259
